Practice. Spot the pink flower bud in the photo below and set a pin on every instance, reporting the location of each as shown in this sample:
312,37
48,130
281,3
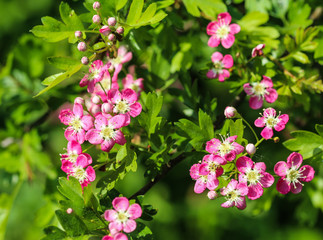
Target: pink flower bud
251,148
112,21
81,46
105,30
112,37
85,60
257,51
96,5
95,99
69,210
79,100
106,107
96,19
230,112
78,34
212,195
95,109
120,30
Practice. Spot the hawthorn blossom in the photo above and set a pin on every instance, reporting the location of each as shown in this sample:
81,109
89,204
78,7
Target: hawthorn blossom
117,236
222,31
124,215
255,175
219,65
77,170
107,132
211,164
227,148
203,179
292,174
117,62
235,193
230,112
97,71
74,150
77,122
137,85
257,51
260,91
270,121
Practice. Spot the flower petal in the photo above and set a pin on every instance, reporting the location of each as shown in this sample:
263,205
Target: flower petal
115,226
130,95
216,57
199,186
107,145
93,136
225,18
120,204
267,133
281,168
284,118
119,138
297,188
243,164
260,122
211,74
241,204
134,211
248,88
110,215
212,182
307,172
267,180
90,173
255,191
227,61
260,166
266,80
255,102
271,95
295,159
214,41
87,122
234,28
228,41
283,186
227,204
135,109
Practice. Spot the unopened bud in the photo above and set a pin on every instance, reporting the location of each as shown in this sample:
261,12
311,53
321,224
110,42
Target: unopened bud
120,30
96,19
257,51
251,149
95,99
112,21
212,195
95,109
105,30
78,34
106,107
96,5
230,112
276,139
112,37
69,210
81,46
85,60
79,100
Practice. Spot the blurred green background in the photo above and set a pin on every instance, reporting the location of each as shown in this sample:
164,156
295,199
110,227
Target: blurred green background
31,139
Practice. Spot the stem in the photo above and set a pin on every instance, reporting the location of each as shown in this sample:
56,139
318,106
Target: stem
250,128
260,141
103,88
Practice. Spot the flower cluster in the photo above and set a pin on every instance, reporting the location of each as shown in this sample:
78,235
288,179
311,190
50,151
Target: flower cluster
121,218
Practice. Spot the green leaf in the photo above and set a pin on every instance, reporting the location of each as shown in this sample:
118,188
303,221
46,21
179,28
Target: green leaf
135,11
300,57
209,7
252,20
237,128
128,157
121,4
148,13
255,5
99,45
53,30
206,124
54,233
319,129
63,63
72,223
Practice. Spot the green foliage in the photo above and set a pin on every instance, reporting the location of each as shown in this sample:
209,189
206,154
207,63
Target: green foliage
208,7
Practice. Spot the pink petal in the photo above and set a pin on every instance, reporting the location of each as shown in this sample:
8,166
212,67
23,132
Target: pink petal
228,41
260,122
271,96
119,138
90,173
248,88
221,77
88,157
281,168
243,164
237,148
260,166
279,126
295,159
80,136
100,121
117,121
243,188
120,204
232,138
232,184
230,156
81,161
283,186
78,110
211,74
93,136
219,171
297,188
120,236
214,41
269,112
212,182
134,211
115,226
212,27
70,135
225,18
107,238
308,173
225,73
234,28
216,57
227,204
107,145
87,122
114,95
67,166
267,180
66,116
74,147
255,102
255,191
267,133
227,61
130,95
284,118
267,81
84,81
204,169
242,203
117,70
212,145
194,171
127,57
199,186
135,109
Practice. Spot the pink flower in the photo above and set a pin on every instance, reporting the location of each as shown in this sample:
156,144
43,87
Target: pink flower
97,71
123,57
117,236
211,164
200,173
270,121
78,123
74,151
255,174
222,31
77,170
230,112
235,194
292,175
257,51
228,149
220,63
260,91
125,102
107,132
123,217
136,85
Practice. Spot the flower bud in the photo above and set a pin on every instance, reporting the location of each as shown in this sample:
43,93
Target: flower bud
69,210
95,109
78,34
120,30
96,19
276,139
79,100
112,37
85,60
105,30
95,99
106,108
112,21
212,195
230,112
251,149
81,46
257,51
96,5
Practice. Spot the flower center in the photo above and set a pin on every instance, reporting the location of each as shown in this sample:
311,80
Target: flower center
122,216
233,196
253,176
271,121
72,157
122,106
115,61
212,166
76,124
225,148
79,174
223,31
108,132
293,175
259,89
